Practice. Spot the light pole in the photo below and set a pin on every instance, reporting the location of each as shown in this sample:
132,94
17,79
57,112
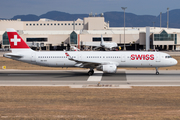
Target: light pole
124,8
160,18
167,18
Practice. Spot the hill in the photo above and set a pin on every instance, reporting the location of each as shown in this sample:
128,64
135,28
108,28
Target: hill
116,19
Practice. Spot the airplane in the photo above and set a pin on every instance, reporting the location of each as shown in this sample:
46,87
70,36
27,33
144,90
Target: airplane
102,44
74,48
106,61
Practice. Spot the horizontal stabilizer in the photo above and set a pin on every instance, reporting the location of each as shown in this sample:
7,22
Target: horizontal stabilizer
12,55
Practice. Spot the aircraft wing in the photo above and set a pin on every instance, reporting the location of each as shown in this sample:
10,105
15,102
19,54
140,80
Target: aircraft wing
88,64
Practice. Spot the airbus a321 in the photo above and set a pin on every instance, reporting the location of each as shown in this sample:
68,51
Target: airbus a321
106,61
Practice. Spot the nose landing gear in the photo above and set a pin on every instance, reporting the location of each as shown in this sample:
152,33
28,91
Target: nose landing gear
157,72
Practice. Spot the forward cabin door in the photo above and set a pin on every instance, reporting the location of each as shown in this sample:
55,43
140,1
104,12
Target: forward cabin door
158,58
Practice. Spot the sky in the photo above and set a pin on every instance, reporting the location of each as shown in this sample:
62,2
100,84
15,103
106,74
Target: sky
10,8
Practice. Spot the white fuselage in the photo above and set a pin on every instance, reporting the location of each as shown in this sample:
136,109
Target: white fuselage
120,58
110,45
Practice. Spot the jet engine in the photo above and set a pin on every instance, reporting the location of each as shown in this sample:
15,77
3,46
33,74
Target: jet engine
107,68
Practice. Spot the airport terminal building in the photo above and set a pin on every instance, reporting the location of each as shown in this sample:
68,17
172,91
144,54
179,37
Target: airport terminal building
48,34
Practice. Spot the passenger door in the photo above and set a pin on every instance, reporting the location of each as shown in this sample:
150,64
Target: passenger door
79,57
33,57
123,58
158,58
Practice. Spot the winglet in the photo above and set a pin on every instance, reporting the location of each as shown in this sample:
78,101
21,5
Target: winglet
67,55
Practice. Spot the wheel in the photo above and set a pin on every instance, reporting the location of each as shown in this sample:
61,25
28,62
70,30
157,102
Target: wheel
91,72
157,73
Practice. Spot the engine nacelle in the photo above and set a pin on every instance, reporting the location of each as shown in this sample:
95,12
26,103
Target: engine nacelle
107,68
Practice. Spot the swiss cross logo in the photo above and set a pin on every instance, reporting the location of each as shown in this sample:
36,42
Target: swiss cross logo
15,40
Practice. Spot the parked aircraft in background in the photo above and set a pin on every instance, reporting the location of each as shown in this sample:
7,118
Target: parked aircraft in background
102,44
74,48
106,61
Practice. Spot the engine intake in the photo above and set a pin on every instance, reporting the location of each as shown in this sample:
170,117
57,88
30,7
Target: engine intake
107,68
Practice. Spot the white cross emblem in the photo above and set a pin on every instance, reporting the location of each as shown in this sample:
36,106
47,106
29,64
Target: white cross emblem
15,40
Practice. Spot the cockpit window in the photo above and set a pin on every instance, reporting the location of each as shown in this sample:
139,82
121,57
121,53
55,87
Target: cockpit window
168,57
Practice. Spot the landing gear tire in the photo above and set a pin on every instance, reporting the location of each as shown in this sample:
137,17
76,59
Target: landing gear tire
91,72
157,73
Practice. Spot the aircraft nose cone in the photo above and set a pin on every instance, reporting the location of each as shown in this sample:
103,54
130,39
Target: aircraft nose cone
175,61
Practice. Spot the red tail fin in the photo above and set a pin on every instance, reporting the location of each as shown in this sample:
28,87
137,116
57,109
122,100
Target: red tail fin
16,42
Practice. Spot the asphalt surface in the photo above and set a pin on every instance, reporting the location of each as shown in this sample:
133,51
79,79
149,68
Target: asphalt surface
77,77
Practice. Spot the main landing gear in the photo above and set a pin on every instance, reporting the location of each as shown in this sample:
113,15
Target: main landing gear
91,72
157,72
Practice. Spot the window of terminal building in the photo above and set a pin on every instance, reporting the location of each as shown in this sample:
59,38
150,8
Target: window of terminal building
33,24
175,42
26,24
73,38
5,40
30,24
54,23
58,24
99,39
48,24
51,24
37,24
65,24
164,36
44,24
79,23
36,39
41,24
61,23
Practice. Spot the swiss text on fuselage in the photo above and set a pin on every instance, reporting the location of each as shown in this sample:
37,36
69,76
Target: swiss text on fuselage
142,57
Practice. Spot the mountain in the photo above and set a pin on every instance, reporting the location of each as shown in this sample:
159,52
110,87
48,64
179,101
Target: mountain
62,16
29,17
116,19
54,15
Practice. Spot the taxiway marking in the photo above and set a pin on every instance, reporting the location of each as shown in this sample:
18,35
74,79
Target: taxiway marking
96,77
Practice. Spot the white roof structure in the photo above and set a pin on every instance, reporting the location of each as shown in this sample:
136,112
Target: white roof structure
45,19
157,30
61,32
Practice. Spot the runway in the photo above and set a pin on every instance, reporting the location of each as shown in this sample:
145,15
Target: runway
80,78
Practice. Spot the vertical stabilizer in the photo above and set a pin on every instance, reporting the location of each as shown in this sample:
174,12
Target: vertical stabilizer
102,41
16,42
